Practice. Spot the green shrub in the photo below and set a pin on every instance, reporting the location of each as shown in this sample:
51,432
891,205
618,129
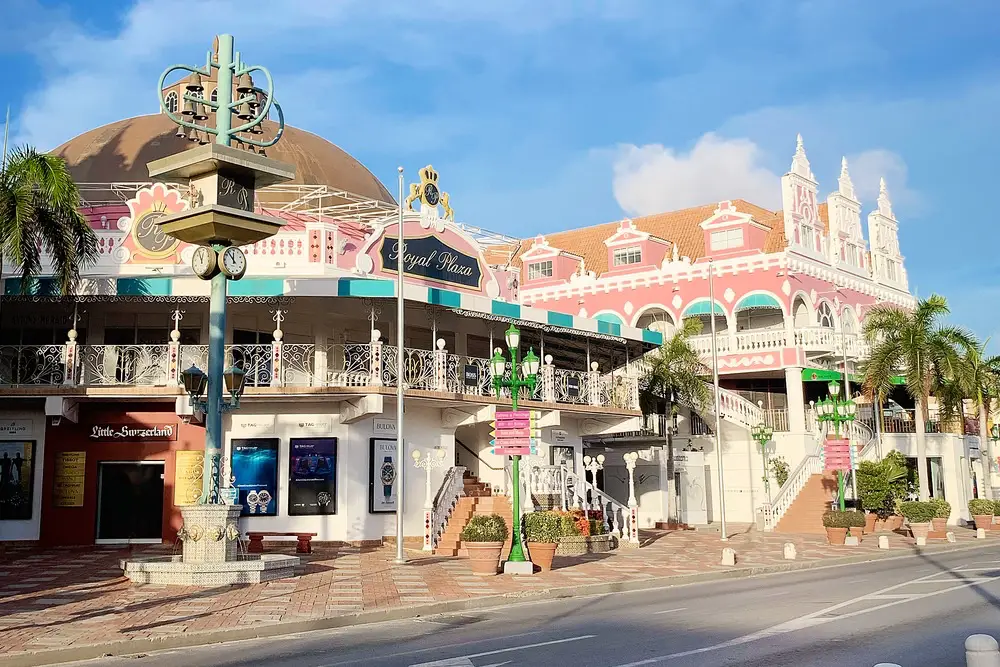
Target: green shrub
485,528
596,527
942,508
916,511
982,507
848,519
996,508
780,467
543,527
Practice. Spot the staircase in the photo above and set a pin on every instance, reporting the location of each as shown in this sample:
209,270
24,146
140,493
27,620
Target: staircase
805,513
477,498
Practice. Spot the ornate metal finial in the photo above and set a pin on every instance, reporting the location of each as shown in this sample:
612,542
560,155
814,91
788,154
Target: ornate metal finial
845,185
177,316
428,194
253,103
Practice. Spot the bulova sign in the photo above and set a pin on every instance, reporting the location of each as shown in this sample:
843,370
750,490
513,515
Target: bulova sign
133,432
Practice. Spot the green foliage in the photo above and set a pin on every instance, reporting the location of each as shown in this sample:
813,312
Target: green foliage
675,373
39,213
916,511
982,507
543,527
942,508
881,484
781,471
996,508
570,524
485,528
847,519
596,527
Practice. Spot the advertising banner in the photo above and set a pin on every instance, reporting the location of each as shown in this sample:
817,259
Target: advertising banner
382,476
255,467
17,472
312,476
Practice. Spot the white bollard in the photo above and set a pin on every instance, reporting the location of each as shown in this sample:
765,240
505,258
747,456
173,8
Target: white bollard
790,551
728,557
921,541
887,664
883,541
851,541
980,533
982,651
951,536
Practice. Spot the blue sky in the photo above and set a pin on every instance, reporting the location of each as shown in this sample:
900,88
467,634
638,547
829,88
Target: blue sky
548,115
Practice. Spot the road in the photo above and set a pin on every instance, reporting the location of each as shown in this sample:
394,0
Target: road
916,612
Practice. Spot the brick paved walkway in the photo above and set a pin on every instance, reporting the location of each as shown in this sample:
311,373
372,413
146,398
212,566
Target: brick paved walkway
66,598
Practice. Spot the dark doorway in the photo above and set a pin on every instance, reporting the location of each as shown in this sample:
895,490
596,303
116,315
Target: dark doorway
130,501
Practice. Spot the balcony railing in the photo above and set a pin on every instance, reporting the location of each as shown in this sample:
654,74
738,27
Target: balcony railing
281,364
811,339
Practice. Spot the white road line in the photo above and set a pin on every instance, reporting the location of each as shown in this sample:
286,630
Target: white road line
814,619
466,660
668,611
442,647
775,594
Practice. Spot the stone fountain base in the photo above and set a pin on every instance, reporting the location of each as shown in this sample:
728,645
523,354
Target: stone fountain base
211,554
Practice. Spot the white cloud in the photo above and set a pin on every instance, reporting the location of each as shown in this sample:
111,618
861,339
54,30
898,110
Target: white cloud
655,178
868,167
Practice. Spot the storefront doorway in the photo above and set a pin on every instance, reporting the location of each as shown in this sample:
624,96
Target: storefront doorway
130,502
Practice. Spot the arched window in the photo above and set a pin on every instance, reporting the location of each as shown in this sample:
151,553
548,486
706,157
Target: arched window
171,102
215,98
824,314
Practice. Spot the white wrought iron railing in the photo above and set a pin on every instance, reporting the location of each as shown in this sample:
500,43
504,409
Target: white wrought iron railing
575,492
32,364
124,365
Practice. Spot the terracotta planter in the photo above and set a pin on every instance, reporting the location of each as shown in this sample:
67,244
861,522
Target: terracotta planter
870,520
984,521
542,553
484,557
920,529
857,532
894,522
939,525
836,535
880,525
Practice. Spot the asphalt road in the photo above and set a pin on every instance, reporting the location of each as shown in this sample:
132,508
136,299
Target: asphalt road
916,612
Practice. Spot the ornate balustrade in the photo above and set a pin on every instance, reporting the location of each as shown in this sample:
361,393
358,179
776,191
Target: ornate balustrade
811,339
763,339
32,364
445,501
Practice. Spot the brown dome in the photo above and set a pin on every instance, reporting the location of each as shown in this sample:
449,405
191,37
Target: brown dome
119,152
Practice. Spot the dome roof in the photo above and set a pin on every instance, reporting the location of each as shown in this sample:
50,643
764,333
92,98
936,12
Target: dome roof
119,152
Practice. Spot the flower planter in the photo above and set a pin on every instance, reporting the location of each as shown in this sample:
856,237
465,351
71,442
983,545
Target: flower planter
939,525
577,545
984,521
881,525
857,532
894,522
484,557
836,536
870,520
542,553
920,529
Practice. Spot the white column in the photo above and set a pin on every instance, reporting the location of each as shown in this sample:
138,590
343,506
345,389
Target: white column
320,363
796,400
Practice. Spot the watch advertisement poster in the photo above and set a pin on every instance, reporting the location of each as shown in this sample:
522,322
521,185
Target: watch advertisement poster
255,467
312,476
17,474
382,476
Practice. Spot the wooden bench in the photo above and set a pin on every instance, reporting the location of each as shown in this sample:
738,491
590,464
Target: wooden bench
302,546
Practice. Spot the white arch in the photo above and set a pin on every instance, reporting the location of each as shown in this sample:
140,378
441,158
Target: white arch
834,319
810,311
652,306
170,102
849,320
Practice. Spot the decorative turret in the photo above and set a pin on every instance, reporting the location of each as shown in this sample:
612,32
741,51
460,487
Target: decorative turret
883,232
798,197
847,243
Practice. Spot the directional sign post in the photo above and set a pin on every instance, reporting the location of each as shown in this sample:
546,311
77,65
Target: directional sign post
515,433
837,457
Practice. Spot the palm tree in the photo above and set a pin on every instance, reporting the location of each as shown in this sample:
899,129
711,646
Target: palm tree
977,377
911,342
675,375
39,213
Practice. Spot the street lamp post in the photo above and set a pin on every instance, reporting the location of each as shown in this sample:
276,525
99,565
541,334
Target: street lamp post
988,472
522,374
432,461
763,433
836,411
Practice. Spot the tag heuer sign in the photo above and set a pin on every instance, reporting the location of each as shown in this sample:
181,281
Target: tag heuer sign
133,433
572,386
470,373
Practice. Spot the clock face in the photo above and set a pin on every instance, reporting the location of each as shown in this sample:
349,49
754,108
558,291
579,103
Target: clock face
204,262
234,262
431,195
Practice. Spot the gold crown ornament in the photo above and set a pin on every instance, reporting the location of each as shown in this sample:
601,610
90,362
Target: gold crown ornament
429,194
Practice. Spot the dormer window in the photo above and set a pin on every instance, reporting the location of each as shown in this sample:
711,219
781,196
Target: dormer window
540,270
727,239
626,256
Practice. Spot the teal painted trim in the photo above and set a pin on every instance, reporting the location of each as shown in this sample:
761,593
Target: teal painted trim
609,317
36,287
650,336
365,287
144,286
560,319
443,297
257,287
701,308
757,301
610,328
504,309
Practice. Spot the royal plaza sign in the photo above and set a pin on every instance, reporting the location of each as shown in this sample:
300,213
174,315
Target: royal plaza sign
133,432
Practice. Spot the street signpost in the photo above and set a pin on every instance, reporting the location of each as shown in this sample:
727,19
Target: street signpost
515,433
837,457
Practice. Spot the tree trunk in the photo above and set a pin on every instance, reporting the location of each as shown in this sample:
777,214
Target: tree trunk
987,444
921,433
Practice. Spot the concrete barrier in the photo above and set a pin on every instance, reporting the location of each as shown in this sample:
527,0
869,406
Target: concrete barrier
982,651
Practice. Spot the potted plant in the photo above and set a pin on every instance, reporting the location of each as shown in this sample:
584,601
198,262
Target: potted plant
942,510
542,530
856,524
837,524
483,538
982,512
919,515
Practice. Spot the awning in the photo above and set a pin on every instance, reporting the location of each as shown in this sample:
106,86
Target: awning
826,375
752,301
701,308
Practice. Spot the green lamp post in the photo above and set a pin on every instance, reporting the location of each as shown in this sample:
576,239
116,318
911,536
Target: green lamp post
523,373
837,411
763,434
990,461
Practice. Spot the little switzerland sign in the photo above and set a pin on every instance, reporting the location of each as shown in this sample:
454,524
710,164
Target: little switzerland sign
127,432
431,258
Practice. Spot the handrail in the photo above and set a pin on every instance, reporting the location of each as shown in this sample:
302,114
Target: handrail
446,500
462,445
811,464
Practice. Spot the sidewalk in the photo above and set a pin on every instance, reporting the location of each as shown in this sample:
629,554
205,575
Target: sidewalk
74,599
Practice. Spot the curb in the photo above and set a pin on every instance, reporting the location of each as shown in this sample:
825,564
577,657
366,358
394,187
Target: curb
188,640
